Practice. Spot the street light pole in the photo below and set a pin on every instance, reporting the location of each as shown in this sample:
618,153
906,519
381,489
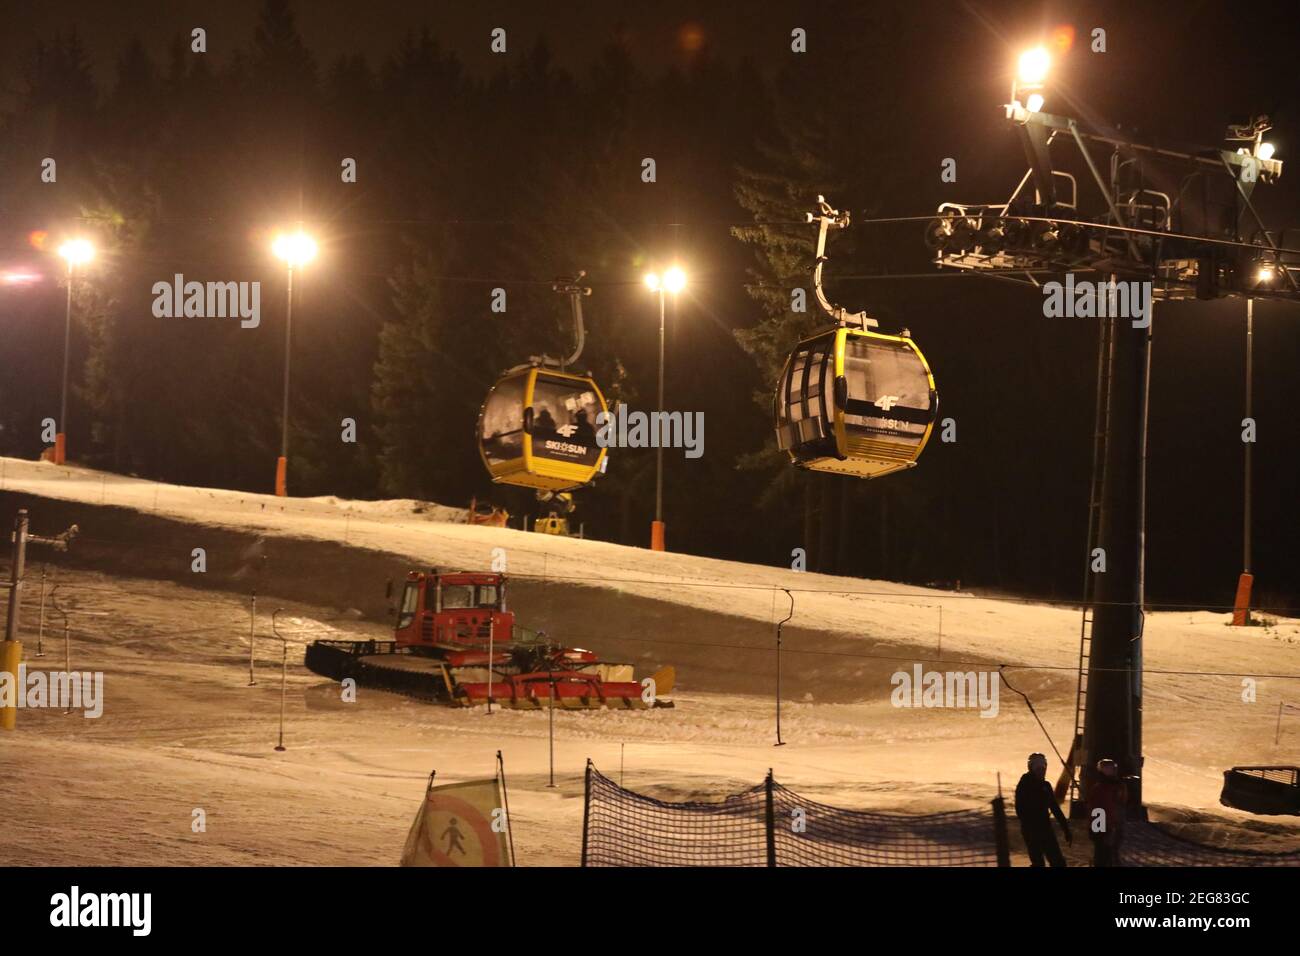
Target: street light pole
1246,582
61,436
674,280
657,530
74,252
296,249
1250,362
282,466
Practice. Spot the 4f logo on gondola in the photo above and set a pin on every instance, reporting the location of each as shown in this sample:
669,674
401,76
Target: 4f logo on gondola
886,402
566,430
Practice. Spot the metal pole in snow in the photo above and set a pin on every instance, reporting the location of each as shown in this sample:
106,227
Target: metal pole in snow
284,678
67,661
779,741
40,626
284,672
551,731
16,575
505,799
492,630
252,630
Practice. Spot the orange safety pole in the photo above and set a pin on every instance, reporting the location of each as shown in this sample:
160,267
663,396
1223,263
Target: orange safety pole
11,655
1241,606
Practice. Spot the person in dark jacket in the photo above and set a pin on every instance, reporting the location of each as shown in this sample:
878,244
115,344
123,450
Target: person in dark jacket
1107,798
1035,806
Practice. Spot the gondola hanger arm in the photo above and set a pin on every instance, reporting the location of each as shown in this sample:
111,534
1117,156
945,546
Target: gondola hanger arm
572,287
826,218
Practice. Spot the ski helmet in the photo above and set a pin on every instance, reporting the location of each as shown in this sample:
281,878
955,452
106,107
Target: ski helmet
1037,759
1107,767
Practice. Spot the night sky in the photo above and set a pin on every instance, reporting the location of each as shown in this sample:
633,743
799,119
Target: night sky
1005,509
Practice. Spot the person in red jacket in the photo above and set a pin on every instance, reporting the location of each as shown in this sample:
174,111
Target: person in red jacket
1107,798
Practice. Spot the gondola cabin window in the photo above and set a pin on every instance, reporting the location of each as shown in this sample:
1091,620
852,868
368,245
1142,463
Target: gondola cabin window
564,421
503,422
884,382
807,385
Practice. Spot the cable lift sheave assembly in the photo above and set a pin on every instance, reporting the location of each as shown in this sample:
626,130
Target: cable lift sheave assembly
850,400
537,426
1181,218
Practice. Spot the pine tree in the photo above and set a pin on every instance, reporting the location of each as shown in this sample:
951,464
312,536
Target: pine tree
429,380
783,245
821,145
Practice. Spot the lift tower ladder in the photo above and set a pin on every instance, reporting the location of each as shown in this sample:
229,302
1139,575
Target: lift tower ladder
1101,431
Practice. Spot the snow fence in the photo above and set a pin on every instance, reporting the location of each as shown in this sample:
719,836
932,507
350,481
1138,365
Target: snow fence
771,825
1146,844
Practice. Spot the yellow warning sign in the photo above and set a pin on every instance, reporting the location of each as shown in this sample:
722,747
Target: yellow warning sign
460,824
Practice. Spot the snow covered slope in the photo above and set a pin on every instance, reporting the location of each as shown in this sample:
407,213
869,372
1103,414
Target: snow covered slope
182,729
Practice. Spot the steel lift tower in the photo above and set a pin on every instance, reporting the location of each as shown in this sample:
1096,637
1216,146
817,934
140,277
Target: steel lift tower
1181,219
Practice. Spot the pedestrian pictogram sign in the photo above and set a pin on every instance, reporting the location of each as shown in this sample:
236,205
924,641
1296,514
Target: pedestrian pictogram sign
455,827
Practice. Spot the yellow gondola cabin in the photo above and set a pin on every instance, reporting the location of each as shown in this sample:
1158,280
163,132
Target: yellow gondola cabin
855,402
537,429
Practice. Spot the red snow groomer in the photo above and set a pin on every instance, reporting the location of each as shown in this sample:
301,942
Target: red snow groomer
455,641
